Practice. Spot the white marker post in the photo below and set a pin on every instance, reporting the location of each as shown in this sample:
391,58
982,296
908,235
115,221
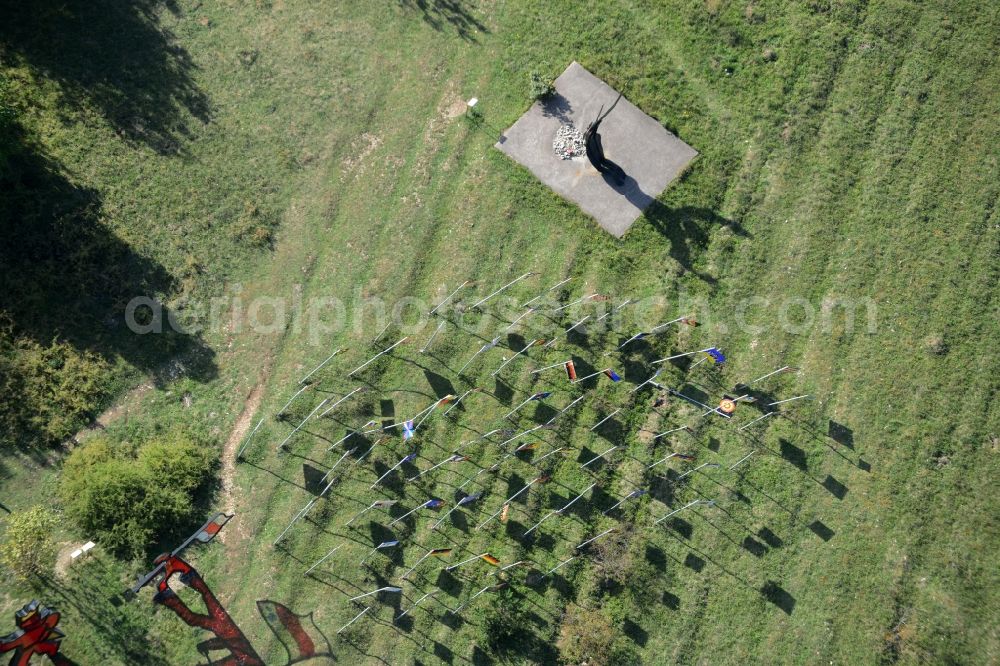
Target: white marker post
437,330
741,460
299,427
519,318
392,469
592,539
648,381
526,348
246,443
372,359
339,460
566,332
490,345
596,458
506,286
317,368
547,291
350,434
786,368
377,503
691,353
448,298
558,567
759,418
355,619
781,402
322,559
297,394
638,492
601,422
388,588
344,399
416,603
686,506
665,459
571,304
460,399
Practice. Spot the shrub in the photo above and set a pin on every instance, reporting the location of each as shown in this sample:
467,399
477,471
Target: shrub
128,500
29,547
586,637
540,88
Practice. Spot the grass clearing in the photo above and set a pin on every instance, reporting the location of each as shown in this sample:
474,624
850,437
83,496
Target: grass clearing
847,151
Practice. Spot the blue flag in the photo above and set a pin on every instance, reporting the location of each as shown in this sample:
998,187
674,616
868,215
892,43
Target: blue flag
716,355
434,503
409,458
614,376
541,395
408,430
637,493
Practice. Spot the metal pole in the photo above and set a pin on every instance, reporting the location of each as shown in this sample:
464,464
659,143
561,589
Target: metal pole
566,408
599,423
514,411
592,539
667,432
509,284
346,397
569,305
448,298
595,459
663,460
648,381
322,559
549,367
416,603
460,399
620,502
548,454
741,460
798,397
246,443
638,335
763,377
507,501
692,353
692,471
566,332
356,618
558,566
447,460
550,289
369,361
387,588
350,434
593,374
759,418
433,335
297,393
388,472
519,318
482,349
535,526
316,369
455,566
504,364
330,471
299,427
706,502
410,570
585,490
381,333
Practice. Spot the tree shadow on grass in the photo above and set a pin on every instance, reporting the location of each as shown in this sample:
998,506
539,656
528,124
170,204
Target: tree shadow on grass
440,14
113,56
687,229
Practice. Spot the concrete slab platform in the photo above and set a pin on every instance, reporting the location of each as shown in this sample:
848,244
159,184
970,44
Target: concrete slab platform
650,155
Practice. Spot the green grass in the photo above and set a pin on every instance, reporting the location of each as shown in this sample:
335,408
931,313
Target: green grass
847,151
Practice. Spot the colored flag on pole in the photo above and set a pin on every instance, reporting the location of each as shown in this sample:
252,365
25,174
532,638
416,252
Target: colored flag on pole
543,478
531,446
445,400
212,527
457,458
409,458
504,513
469,499
387,544
637,493
408,430
434,503
689,321
383,504
612,375
441,551
489,558
684,456
541,395
570,371
714,354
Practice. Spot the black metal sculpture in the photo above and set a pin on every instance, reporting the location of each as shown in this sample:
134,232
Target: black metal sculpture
595,149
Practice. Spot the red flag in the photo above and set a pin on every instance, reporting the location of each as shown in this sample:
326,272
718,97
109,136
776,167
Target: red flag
571,371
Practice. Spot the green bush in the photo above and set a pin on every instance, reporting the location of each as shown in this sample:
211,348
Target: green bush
130,499
540,87
29,547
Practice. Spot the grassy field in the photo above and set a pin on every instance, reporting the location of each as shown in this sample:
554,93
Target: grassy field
301,150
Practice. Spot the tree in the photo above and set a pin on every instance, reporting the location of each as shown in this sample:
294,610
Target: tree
586,637
29,547
130,499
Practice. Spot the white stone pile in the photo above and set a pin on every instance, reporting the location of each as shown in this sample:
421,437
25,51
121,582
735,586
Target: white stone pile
569,143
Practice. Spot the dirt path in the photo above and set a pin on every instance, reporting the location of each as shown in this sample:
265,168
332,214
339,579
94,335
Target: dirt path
228,473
